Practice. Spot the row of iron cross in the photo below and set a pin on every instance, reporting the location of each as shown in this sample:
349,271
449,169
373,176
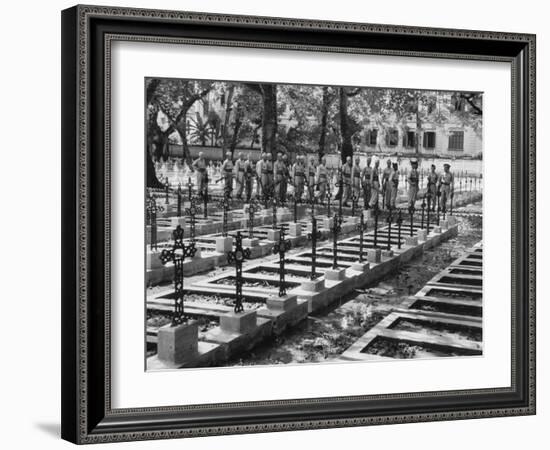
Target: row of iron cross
180,251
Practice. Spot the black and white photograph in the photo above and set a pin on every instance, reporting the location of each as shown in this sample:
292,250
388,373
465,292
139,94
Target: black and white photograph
308,224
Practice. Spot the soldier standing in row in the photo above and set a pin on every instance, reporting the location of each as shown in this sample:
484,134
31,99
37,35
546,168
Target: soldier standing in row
374,185
356,179
286,178
263,169
311,177
386,188
278,175
239,170
393,183
413,179
365,178
227,174
200,165
446,186
432,179
346,181
248,177
299,177
322,179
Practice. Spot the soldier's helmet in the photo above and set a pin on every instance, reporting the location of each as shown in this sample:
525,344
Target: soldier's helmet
414,162
201,154
447,165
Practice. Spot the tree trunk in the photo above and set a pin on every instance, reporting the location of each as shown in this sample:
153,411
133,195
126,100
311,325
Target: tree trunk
345,131
226,119
324,118
182,131
269,119
152,180
235,137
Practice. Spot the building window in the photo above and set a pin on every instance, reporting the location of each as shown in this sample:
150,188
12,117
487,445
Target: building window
429,139
372,137
456,140
409,139
392,137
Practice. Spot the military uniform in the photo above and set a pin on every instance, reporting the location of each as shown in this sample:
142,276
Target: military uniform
356,181
446,183
279,173
227,174
365,178
248,177
299,176
200,165
239,170
393,185
386,188
346,180
433,179
263,170
375,187
311,180
322,180
413,179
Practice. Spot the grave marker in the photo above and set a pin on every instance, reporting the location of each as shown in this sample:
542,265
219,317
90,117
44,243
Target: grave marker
281,248
177,255
152,209
313,236
238,256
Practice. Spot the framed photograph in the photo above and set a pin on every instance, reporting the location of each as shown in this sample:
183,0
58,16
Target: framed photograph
282,224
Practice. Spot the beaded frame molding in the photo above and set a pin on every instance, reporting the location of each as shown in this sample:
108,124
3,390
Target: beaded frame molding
87,35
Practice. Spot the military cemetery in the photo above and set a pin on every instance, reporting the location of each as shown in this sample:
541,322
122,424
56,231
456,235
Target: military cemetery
294,224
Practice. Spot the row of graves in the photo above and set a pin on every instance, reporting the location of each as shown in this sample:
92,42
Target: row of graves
214,319
212,222
443,319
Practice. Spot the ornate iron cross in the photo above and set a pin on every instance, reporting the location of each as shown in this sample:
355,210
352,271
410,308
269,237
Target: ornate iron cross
238,256
281,248
167,189
253,208
376,212
361,228
152,208
354,202
399,222
192,212
389,220
329,196
178,193
177,255
335,229
411,214
341,188
423,206
224,203
311,201
274,211
313,236
189,188
204,194
428,214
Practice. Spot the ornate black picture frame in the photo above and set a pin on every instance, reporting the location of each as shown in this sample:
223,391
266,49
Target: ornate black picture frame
87,34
